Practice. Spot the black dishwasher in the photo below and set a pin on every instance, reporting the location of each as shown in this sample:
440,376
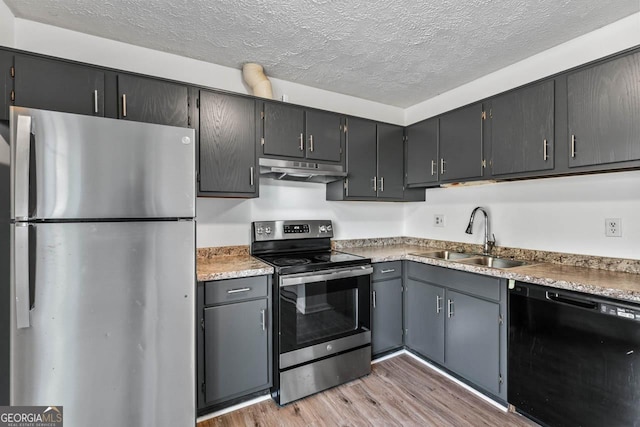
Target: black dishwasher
574,359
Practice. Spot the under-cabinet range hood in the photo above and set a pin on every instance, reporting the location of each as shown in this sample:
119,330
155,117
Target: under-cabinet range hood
292,170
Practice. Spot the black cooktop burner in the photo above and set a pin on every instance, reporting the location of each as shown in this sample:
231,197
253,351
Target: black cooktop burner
310,261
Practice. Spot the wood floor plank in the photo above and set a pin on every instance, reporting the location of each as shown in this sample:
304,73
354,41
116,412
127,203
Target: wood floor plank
400,391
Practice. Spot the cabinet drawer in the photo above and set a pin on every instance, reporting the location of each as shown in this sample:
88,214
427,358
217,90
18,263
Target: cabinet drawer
219,291
470,283
387,270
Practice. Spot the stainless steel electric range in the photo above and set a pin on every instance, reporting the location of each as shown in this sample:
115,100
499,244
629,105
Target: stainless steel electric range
321,307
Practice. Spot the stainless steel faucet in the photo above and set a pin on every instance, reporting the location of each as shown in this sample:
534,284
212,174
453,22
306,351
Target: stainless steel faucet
488,244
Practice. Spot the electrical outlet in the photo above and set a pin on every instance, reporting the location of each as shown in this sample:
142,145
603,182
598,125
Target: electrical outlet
438,220
613,227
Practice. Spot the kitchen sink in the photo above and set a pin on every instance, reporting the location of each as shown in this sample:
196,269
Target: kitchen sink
445,255
488,261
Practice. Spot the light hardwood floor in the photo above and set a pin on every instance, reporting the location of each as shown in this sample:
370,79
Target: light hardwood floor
399,392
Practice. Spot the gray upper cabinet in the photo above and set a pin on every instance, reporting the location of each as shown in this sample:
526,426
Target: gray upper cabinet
58,86
422,153
149,100
361,158
473,339
461,144
522,130
283,130
235,350
323,136
424,319
390,156
6,83
227,154
291,131
603,111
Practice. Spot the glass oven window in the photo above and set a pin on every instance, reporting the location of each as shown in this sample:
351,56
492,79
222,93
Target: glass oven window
312,313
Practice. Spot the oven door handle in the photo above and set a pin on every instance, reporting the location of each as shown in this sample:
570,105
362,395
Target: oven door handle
298,279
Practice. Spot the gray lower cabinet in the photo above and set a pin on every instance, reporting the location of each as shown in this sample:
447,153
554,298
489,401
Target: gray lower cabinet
424,319
472,344
456,319
603,111
386,307
234,340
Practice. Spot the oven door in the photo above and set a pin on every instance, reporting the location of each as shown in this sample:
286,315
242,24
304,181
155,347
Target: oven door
323,313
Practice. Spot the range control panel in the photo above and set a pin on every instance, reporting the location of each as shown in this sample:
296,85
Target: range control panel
285,230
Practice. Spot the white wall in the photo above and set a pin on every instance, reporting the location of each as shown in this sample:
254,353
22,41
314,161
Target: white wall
555,214
224,222
49,40
7,27
607,40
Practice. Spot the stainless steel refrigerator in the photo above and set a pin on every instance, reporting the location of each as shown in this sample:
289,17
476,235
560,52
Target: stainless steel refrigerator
102,269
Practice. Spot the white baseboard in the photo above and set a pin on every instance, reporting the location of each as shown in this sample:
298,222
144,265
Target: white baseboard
233,408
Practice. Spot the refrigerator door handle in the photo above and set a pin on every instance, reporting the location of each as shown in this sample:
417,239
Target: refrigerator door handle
21,275
21,178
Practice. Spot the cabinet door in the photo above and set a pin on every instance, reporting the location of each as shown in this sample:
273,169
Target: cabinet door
324,136
386,318
283,130
6,83
152,101
390,161
424,319
604,106
227,143
361,158
422,152
235,349
461,144
58,86
473,339
522,132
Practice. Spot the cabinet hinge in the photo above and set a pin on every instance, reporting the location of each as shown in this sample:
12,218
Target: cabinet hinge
484,163
346,187
13,72
13,95
500,378
202,324
261,115
406,332
189,121
262,141
340,150
500,320
188,101
345,128
197,102
198,176
484,115
491,113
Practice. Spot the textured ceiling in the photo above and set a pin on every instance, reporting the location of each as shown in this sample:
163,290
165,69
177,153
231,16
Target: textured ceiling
395,52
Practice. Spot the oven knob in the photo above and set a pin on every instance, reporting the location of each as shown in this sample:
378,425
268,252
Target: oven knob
329,227
267,230
323,229
259,230
329,347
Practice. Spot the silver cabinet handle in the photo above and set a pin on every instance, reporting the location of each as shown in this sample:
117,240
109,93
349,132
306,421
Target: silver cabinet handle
438,306
264,319
124,105
251,176
95,101
374,299
311,143
391,270
235,291
433,166
442,165
375,183
21,274
382,183
545,156
301,142
573,146
449,308
21,174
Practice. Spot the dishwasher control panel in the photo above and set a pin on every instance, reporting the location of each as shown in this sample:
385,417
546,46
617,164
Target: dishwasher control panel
614,310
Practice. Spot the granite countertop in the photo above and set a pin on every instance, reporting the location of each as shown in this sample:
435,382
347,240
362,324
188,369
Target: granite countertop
613,284
226,263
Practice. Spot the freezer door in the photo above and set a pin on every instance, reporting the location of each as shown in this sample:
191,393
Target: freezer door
111,331
70,166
